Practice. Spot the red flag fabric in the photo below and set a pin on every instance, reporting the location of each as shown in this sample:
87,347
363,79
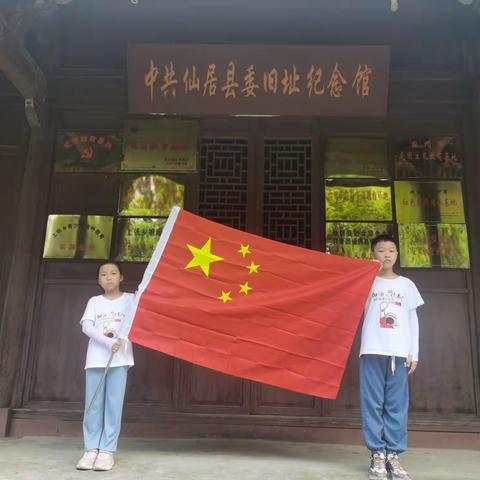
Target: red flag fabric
251,307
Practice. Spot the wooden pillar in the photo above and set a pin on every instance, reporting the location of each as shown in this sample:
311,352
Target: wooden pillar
21,287
17,315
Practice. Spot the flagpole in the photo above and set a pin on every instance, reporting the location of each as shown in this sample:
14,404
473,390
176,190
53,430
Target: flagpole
100,383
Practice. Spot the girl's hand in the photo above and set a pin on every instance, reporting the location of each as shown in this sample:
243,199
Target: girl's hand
116,346
411,364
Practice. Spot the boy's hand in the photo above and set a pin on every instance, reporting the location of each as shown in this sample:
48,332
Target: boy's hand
411,364
116,346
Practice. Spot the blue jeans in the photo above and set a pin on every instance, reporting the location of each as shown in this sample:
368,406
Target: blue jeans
384,403
101,426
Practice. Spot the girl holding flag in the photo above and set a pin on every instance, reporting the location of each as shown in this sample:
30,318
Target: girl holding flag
106,368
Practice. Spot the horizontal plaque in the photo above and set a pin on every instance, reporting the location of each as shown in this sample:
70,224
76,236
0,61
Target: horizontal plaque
88,152
160,145
429,202
439,245
137,238
258,79
352,239
78,236
356,158
363,200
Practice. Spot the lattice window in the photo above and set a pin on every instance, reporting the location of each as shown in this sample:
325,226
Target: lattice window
223,181
287,191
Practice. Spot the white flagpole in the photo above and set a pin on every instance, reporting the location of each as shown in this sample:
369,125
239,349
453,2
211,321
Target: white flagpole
100,383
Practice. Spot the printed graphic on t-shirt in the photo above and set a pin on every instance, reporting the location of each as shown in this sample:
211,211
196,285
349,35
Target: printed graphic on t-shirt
387,301
110,322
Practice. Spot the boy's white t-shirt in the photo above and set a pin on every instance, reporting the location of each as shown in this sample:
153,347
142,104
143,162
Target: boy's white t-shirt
107,316
386,326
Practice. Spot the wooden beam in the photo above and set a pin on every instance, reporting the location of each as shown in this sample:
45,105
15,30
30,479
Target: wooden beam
19,67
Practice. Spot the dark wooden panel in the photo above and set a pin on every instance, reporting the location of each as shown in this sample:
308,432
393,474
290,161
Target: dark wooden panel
12,162
91,117
71,271
151,380
14,129
80,87
348,397
272,400
61,345
430,279
444,381
432,43
88,194
208,388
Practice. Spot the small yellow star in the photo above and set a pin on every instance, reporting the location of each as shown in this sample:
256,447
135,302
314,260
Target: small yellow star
253,268
225,297
244,250
202,257
245,288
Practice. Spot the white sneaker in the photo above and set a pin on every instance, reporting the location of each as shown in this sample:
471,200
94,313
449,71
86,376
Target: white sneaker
395,468
378,469
87,461
104,461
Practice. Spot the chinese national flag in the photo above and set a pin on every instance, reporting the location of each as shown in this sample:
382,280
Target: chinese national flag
251,307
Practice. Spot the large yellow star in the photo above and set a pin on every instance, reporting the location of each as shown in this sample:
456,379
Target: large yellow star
225,297
252,268
202,257
245,288
244,250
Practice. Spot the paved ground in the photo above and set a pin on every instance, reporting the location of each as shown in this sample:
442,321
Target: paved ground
39,458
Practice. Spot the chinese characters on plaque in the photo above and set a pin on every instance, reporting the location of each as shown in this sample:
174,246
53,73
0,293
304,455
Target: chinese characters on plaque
434,245
429,201
78,236
88,152
137,238
358,200
258,79
434,157
160,145
352,239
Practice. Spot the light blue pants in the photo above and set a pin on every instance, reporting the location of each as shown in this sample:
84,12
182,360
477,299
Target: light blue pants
384,403
101,427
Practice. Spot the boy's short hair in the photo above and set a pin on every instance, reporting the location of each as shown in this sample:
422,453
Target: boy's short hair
109,262
384,237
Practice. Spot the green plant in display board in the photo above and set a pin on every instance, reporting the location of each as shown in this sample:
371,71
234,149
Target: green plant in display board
149,195
453,243
358,202
356,158
414,246
137,238
351,239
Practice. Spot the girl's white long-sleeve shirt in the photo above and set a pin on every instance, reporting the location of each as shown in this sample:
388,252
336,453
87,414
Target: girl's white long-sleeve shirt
101,322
